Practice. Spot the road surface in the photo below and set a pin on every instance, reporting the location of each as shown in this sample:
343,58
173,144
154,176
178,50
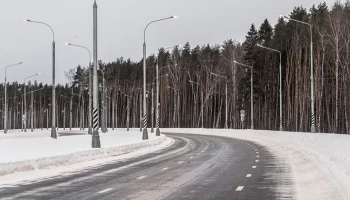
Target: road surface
194,167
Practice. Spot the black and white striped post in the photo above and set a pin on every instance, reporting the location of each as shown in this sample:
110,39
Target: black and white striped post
95,135
157,106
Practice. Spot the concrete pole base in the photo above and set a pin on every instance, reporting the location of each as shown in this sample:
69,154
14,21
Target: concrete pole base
313,129
96,143
53,133
90,131
157,132
145,134
152,130
5,131
127,129
281,128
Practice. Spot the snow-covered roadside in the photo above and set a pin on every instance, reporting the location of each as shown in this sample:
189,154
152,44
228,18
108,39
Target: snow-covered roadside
42,156
15,134
320,163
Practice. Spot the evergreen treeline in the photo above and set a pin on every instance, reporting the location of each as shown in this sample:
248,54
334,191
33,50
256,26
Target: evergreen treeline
181,100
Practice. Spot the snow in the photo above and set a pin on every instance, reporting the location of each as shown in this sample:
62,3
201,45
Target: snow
25,152
319,163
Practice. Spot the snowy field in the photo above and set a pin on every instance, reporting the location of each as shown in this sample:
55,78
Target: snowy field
37,151
320,163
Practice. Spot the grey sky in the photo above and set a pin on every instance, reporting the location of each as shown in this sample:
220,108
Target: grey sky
121,24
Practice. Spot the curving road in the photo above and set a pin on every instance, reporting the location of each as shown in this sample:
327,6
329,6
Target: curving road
194,167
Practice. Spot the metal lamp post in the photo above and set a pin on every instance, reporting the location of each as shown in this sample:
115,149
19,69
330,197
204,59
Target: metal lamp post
280,77
90,86
47,117
24,117
157,98
145,133
6,110
53,128
226,99
96,143
251,93
313,127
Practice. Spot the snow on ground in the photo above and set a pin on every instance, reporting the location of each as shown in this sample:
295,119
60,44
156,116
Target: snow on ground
13,134
36,151
320,163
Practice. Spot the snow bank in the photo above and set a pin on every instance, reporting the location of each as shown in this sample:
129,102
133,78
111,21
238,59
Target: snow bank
15,134
33,153
320,163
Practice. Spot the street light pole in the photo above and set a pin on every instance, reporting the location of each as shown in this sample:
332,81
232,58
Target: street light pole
313,127
251,93
140,110
157,112
152,113
145,133
90,85
53,128
24,117
6,109
280,77
32,111
96,143
226,99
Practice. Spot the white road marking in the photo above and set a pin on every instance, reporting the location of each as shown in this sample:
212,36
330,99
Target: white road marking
240,188
254,167
164,168
257,152
180,162
191,157
249,175
257,156
142,177
198,154
104,191
256,160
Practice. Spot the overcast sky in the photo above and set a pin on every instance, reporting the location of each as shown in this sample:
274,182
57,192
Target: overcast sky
121,24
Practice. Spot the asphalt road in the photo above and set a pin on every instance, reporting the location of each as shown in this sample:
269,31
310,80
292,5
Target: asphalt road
194,167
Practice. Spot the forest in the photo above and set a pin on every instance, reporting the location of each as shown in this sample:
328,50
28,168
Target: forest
194,81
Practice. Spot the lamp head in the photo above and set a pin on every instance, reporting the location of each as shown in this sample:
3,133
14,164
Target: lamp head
38,74
67,44
27,20
174,17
